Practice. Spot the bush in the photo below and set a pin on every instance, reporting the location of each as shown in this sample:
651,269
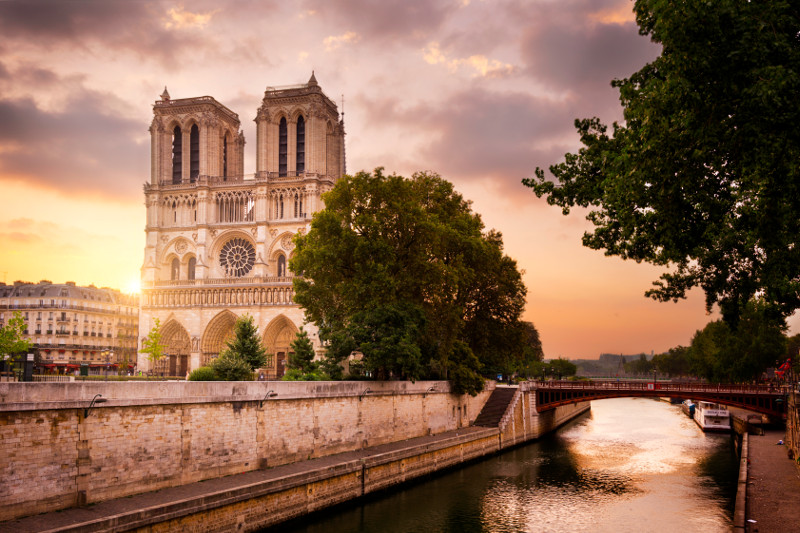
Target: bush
230,366
204,373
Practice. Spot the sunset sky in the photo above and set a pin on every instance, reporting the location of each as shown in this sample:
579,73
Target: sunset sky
481,92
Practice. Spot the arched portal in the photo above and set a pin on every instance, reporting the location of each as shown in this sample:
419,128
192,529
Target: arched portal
277,337
176,345
217,333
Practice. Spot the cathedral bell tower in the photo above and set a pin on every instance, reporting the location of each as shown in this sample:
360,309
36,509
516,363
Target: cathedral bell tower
219,242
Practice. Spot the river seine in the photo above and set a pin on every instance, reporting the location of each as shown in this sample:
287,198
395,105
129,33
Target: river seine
630,465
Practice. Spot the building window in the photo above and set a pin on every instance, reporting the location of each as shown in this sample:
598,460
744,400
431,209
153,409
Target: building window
281,265
194,153
192,265
175,270
283,147
177,155
300,163
237,257
298,206
225,157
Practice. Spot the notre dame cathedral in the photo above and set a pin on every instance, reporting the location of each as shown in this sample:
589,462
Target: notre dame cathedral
219,242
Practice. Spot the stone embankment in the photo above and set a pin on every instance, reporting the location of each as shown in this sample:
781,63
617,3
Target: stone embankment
156,453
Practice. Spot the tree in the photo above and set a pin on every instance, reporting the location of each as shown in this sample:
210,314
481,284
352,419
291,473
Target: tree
302,355
563,367
402,271
246,344
720,353
704,176
302,366
12,339
673,363
151,345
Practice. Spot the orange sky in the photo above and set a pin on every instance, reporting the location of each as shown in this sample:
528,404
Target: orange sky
481,92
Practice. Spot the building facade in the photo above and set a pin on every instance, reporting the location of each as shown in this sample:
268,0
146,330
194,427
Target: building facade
71,326
219,242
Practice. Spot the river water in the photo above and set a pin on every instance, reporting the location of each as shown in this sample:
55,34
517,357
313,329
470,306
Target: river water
630,465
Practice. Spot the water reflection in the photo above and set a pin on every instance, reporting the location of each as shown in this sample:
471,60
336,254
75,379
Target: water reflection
631,465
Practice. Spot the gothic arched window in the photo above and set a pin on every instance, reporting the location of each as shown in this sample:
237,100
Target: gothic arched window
192,266
300,164
225,157
281,265
177,155
283,147
194,153
175,270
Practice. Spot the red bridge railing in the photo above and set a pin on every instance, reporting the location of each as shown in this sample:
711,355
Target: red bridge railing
760,398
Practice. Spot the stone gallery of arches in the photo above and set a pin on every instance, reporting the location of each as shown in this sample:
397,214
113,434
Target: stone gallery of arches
219,242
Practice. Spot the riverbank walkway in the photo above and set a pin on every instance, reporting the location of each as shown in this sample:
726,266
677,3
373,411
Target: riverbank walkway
152,507
773,485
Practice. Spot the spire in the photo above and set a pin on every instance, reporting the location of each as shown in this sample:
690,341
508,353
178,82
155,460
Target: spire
312,81
165,94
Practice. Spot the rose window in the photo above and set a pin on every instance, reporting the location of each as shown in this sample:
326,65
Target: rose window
237,257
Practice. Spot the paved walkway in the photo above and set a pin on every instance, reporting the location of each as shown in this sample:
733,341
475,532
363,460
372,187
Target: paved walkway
81,519
773,486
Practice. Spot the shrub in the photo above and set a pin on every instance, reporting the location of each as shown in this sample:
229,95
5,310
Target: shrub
204,373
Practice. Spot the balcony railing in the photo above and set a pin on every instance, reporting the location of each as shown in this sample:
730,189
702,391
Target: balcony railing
253,280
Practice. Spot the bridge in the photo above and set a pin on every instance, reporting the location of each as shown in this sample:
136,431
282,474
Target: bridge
758,398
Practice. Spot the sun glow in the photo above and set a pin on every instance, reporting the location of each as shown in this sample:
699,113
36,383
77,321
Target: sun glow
134,286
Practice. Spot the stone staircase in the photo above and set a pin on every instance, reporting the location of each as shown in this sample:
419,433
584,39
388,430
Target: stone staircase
495,407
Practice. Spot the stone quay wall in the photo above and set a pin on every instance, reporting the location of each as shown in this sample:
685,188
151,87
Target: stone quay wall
149,436
793,423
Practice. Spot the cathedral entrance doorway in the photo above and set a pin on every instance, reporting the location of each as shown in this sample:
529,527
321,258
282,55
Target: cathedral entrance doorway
216,336
280,333
175,340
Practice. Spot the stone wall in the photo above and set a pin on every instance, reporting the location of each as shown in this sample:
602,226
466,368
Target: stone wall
793,423
148,436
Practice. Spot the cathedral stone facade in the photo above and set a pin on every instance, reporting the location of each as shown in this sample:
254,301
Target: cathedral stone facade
219,242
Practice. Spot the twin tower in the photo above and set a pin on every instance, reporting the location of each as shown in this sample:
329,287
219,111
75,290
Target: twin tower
218,242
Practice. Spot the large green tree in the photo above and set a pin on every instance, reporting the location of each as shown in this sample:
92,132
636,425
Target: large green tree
720,353
703,177
402,271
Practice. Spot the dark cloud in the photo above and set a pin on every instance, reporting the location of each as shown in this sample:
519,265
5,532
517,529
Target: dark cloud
138,26
578,44
396,21
84,147
481,134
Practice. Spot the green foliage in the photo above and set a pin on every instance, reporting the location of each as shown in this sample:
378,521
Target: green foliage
151,345
246,343
401,271
12,340
640,366
562,367
721,354
230,366
674,363
301,358
295,374
704,176
204,373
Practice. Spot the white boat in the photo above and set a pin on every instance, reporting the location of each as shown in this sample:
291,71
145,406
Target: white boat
712,416
688,408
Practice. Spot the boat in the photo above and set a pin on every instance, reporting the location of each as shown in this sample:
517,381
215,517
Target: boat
688,407
712,416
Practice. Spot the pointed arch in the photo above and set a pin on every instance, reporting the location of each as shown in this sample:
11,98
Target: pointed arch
278,335
177,155
217,333
283,147
176,344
